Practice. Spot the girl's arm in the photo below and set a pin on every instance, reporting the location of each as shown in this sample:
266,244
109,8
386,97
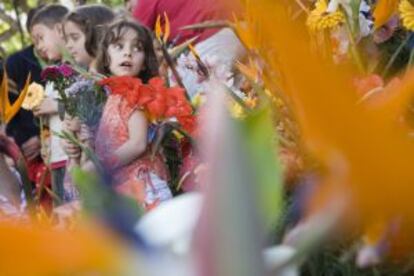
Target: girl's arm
137,142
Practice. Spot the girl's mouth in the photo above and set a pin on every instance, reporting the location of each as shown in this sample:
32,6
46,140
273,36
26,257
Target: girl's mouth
126,64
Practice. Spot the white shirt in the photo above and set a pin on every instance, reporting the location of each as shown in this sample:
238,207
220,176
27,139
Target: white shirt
56,154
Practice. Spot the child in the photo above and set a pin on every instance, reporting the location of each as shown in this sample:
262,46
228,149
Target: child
46,31
82,30
22,127
121,140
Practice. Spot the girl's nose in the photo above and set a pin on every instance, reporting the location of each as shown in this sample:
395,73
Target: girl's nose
127,52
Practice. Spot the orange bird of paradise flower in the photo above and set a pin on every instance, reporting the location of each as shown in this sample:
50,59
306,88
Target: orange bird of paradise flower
8,110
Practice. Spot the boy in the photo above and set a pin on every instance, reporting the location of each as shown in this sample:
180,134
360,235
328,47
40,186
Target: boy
22,127
46,32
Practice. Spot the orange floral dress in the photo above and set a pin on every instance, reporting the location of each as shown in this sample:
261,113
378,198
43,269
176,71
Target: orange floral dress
145,178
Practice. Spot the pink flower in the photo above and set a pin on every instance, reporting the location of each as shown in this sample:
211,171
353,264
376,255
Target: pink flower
66,70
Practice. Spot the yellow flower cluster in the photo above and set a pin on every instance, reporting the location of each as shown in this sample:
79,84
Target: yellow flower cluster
34,97
406,9
319,19
237,111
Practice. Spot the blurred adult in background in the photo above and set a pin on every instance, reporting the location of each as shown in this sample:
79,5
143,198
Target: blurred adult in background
221,45
182,13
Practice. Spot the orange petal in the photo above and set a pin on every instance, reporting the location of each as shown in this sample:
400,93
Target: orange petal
249,72
3,95
384,10
158,30
167,30
194,52
11,111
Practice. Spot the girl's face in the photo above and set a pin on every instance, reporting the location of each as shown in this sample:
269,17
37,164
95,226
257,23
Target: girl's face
47,41
126,56
75,43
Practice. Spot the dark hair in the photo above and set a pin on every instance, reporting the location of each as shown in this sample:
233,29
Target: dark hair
49,15
30,15
91,20
114,33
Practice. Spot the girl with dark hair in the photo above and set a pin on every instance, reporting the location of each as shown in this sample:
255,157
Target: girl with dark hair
112,42
83,29
127,55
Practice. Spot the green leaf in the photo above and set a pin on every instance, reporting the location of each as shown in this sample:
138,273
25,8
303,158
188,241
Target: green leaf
261,142
97,198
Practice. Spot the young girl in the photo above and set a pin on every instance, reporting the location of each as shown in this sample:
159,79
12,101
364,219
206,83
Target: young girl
121,140
82,29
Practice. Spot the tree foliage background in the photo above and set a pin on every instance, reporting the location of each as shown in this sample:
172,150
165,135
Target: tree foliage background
13,14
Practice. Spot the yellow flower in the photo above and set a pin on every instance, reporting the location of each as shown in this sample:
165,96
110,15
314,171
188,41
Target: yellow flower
34,97
251,71
319,19
251,101
236,110
198,100
406,9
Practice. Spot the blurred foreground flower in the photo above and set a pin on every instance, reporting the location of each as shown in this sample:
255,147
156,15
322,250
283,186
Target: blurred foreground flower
359,147
40,250
384,10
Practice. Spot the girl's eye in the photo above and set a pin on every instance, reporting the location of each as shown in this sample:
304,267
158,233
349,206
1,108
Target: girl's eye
137,48
118,46
74,37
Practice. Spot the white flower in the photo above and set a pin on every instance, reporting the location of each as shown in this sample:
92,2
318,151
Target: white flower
334,5
366,23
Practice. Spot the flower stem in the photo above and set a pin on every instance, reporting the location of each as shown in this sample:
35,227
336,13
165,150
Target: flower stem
395,55
410,61
354,48
302,6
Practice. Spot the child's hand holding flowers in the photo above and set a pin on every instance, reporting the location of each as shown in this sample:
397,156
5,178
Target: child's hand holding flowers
47,106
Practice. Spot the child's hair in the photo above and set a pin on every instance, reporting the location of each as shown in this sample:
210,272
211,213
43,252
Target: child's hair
49,15
32,12
91,20
114,33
